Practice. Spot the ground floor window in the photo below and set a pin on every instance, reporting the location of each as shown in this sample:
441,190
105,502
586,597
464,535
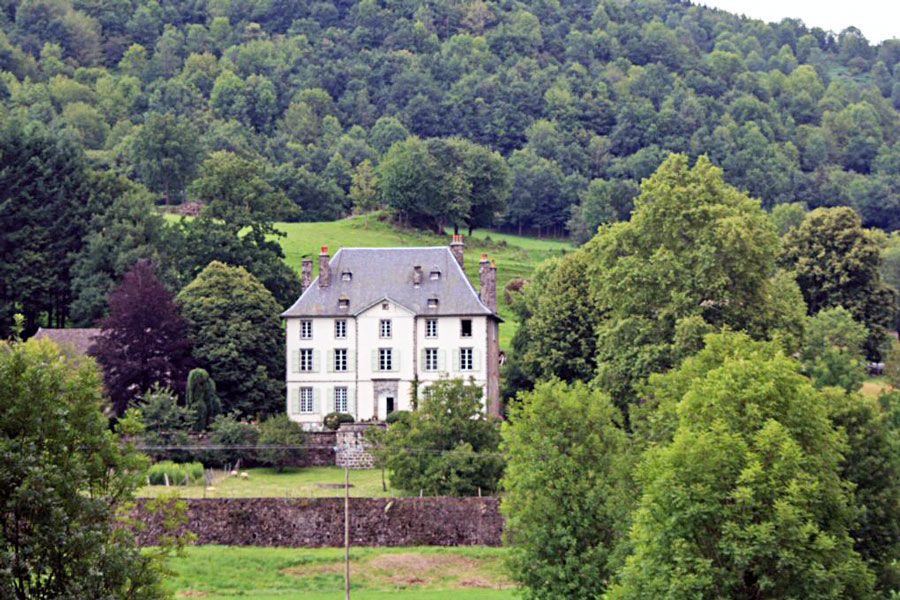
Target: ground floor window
431,359
340,400
466,359
306,400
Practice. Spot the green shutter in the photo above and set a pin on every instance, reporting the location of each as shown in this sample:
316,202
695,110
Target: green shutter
395,359
455,366
423,365
442,360
351,360
293,400
375,359
330,360
351,401
316,361
329,401
476,359
295,355
317,402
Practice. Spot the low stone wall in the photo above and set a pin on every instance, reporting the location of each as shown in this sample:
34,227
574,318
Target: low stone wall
319,450
319,522
352,448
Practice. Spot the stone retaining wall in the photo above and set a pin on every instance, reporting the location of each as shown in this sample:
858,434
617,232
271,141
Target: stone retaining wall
319,522
352,448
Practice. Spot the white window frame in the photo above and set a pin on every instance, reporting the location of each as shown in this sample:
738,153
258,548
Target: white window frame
340,329
462,331
306,402
432,303
466,359
431,359
306,362
434,275
431,328
385,359
340,360
306,329
341,400
385,329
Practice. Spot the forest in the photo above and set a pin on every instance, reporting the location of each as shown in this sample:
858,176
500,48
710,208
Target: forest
563,106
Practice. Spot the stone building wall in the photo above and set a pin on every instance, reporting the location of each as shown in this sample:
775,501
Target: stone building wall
352,450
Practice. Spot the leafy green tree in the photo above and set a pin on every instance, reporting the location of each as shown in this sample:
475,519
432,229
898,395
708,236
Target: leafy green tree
749,485
837,263
695,248
872,465
567,492
165,154
447,447
787,216
239,438
364,189
604,201
123,229
64,478
201,397
166,423
833,349
234,324
284,436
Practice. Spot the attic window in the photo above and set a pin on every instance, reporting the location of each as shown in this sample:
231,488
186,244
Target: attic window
435,275
344,303
385,306
346,276
432,303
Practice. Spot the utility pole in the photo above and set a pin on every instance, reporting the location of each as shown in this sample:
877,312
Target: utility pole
346,528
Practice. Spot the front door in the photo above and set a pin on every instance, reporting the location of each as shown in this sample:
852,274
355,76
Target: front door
388,405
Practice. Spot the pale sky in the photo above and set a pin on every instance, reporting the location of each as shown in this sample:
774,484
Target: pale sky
877,19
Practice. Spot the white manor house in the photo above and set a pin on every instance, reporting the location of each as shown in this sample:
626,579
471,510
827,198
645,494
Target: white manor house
378,321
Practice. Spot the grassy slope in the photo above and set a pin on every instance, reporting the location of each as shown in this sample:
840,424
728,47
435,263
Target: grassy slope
293,483
220,572
516,256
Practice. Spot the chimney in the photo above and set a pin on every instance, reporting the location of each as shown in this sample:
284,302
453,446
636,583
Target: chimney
456,248
324,268
488,283
417,275
306,274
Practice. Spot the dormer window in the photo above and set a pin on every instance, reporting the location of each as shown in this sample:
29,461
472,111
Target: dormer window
344,303
385,306
432,303
435,275
346,276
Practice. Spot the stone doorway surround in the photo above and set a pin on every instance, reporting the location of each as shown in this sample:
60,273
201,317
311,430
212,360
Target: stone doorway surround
382,389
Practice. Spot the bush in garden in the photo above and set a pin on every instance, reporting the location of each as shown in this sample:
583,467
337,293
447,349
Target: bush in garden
177,473
228,430
201,397
280,431
166,424
333,420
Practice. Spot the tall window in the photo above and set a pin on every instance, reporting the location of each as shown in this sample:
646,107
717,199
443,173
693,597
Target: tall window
431,359
431,328
306,359
340,329
340,400
465,328
340,359
385,359
305,330
306,400
385,328
466,362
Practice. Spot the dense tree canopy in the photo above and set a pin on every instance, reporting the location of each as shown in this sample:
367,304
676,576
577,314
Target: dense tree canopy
567,94
63,477
234,324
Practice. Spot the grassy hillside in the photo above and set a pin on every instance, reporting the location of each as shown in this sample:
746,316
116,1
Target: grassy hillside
220,572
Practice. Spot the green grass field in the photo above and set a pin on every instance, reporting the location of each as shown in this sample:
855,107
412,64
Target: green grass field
311,482
226,572
516,256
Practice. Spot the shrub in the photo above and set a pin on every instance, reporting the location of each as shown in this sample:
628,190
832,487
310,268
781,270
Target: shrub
397,415
333,420
201,397
228,430
280,431
178,473
165,424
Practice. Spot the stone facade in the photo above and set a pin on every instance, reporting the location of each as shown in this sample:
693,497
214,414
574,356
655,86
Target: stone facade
351,448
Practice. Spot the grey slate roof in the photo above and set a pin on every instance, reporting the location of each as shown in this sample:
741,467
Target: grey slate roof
387,273
79,339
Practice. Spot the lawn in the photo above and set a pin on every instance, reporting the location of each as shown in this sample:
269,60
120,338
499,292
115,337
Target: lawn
516,256
429,573
874,386
311,482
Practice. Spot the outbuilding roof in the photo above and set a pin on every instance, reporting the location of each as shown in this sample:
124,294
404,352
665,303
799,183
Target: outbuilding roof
78,339
362,277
